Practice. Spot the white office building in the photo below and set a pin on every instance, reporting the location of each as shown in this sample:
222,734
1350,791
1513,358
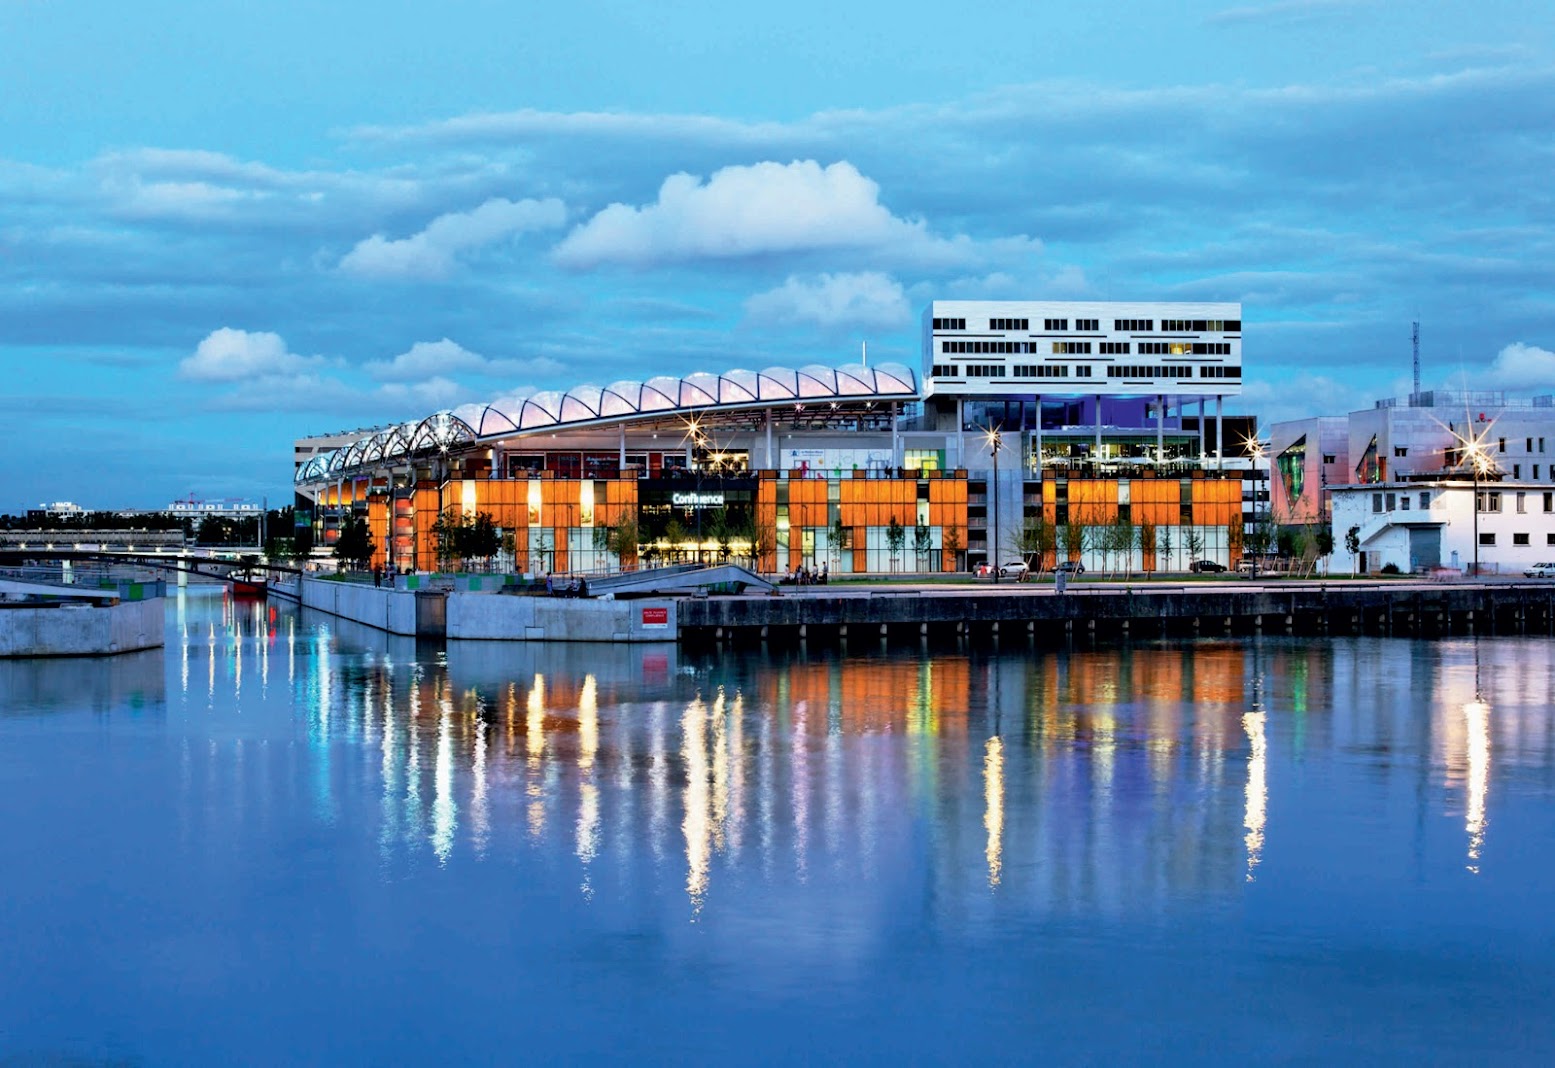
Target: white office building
1419,526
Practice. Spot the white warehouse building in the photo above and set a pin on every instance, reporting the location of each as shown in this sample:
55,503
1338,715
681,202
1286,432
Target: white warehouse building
1423,525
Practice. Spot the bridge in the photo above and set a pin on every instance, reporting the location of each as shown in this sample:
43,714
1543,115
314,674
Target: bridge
677,578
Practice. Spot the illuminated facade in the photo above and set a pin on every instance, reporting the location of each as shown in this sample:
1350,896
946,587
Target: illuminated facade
856,469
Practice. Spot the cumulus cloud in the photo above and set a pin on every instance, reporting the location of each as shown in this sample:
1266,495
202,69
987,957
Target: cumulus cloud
433,252
1523,367
767,208
229,355
434,359
867,299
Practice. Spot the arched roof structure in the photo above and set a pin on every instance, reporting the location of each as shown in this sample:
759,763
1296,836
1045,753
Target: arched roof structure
587,406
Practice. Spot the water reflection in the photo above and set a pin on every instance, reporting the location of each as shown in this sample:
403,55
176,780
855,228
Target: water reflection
1112,780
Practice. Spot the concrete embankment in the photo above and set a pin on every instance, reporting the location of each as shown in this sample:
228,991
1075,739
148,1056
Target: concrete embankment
80,629
1308,608
1144,610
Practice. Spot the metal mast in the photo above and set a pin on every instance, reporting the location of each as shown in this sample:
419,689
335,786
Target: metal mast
1414,337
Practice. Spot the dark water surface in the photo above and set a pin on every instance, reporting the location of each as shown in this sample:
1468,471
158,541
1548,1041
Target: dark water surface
285,838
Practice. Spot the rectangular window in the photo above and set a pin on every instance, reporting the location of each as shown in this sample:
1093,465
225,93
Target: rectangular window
1519,539
1330,458
1376,502
1487,539
1400,451
1501,445
1536,472
1403,502
1517,471
1425,501
1055,324
1528,447
1549,502
1390,502
1520,504
1549,539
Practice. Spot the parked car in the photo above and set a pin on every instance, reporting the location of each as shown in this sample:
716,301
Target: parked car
1205,567
1541,571
1247,566
1016,568
1070,567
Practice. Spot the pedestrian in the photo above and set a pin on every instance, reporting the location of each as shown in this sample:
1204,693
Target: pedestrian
378,577
549,589
825,572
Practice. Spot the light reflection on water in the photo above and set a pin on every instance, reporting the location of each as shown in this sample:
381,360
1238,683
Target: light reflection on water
818,828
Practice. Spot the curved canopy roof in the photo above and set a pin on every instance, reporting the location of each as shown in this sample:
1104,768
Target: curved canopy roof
587,406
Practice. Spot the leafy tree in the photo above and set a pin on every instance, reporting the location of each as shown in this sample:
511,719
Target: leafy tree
1324,539
1163,544
675,534
1123,542
895,539
951,539
1144,534
922,543
1352,545
839,539
622,539
1035,539
719,528
482,539
1076,537
356,545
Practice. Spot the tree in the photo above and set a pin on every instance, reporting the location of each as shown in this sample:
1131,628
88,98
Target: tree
952,543
922,543
1352,545
675,534
895,539
482,540
1034,540
1324,537
449,532
1163,543
1123,542
621,539
721,531
1194,543
763,541
839,540
1076,537
1145,535
356,545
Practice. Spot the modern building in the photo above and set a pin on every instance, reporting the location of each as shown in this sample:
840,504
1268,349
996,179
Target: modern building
1371,469
1065,429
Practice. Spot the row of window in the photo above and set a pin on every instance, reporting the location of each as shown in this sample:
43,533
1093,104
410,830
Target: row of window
1220,372
1488,501
1185,348
1134,325
950,324
1129,371
1200,326
1071,348
991,348
1114,348
1020,370
1487,537
1009,324
1055,324
1087,324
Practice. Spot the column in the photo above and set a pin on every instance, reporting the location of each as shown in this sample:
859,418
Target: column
1160,429
961,432
1097,457
897,459
621,470
770,464
1201,430
1220,436
1038,439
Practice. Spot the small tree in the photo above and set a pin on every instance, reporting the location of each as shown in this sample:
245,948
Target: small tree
1324,538
952,542
1163,542
721,531
1034,540
1194,543
1352,545
482,540
1145,535
675,534
895,539
356,545
838,539
763,539
922,543
1076,537
1123,542
622,540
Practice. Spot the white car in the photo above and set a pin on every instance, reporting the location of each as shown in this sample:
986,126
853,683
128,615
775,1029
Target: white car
1017,568
1541,571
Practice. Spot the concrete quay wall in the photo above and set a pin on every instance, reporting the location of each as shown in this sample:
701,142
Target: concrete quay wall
487,616
1308,608
409,612
81,630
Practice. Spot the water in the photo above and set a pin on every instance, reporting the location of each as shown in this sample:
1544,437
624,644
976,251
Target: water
287,838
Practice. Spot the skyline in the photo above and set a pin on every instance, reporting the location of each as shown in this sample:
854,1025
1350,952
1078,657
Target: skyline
240,229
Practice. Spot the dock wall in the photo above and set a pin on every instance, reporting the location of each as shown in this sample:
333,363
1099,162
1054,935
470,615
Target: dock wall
81,630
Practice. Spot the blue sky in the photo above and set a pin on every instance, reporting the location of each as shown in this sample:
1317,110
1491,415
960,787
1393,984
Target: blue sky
226,225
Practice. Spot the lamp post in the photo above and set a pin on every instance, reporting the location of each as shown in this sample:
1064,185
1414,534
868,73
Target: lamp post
995,442
1480,465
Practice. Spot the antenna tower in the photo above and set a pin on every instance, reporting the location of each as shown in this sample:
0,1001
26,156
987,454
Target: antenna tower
1414,337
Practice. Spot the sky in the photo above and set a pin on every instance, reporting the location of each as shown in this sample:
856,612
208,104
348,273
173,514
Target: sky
227,225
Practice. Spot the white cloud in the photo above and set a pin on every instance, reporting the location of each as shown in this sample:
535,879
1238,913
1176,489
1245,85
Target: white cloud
229,355
433,252
434,359
868,299
1522,367
750,211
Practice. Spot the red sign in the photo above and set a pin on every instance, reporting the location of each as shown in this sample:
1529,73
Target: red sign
656,617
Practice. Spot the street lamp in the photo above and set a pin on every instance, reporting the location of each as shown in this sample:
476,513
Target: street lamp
995,442
1480,464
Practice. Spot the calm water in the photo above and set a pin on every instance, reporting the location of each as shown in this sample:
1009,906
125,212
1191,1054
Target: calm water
286,838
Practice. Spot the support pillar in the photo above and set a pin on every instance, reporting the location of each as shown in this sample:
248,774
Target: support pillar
1160,429
1038,439
1220,433
1201,430
771,466
961,432
1097,457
